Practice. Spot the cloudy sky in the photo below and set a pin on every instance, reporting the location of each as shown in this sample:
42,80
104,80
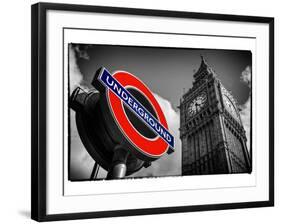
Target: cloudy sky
168,72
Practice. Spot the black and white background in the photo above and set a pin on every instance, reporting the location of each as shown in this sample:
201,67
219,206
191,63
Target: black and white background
168,72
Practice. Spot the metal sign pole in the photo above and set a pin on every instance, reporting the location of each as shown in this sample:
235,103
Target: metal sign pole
95,171
118,166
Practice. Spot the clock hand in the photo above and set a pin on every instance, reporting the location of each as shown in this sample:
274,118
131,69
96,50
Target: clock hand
196,105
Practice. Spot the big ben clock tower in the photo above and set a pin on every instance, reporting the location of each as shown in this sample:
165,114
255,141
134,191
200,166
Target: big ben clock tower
211,131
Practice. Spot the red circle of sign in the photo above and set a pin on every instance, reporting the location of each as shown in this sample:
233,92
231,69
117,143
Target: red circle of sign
150,147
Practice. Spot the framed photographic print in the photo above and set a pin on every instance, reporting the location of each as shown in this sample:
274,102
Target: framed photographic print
140,112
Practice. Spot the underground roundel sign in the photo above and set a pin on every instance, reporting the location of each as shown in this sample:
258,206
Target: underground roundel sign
135,112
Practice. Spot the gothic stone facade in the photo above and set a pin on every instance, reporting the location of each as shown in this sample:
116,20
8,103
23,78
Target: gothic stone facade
211,131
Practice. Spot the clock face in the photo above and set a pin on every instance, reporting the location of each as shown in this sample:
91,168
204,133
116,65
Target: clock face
230,107
197,104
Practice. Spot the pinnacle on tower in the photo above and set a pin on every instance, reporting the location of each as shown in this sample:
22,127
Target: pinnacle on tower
203,61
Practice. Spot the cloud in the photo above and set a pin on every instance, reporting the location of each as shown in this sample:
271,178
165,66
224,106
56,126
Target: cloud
81,51
245,109
167,165
81,162
75,76
246,76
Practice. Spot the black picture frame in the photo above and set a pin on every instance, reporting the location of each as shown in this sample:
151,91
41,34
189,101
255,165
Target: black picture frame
39,122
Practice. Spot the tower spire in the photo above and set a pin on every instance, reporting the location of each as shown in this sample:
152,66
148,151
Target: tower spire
203,70
202,59
203,62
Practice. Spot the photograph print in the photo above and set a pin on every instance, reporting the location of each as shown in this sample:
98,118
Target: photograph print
151,112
